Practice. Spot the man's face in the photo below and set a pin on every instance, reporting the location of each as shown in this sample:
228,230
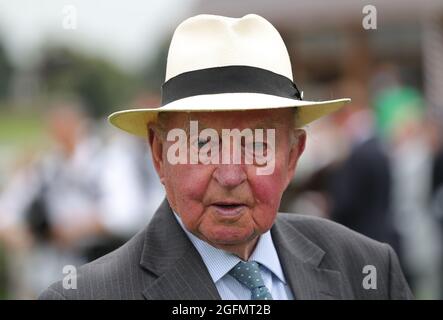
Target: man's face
228,204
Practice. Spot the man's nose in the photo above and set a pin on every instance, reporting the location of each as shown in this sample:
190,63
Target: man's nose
229,175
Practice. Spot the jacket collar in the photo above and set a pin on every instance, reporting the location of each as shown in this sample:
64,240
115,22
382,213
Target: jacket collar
301,261
182,275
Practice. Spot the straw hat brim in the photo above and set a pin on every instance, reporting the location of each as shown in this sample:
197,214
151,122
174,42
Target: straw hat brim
135,121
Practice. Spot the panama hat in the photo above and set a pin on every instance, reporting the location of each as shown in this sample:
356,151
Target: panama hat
218,63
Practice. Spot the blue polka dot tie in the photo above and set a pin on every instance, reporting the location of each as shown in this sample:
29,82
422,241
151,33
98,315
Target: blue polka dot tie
248,274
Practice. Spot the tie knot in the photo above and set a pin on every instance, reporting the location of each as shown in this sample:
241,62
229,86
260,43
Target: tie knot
248,273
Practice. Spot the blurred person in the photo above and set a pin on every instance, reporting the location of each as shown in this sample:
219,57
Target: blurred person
400,120
81,200
55,201
360,185
130,190
15,237
70,177
218,234
434,124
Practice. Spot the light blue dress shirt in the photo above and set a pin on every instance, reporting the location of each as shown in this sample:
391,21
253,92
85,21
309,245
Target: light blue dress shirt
220,262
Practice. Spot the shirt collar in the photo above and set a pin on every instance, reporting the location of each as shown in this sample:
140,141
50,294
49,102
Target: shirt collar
220,262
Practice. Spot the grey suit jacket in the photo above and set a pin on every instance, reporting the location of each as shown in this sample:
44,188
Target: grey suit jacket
320,259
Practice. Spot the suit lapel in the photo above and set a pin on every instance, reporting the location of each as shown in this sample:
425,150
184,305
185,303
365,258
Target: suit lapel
182,274
300,259
187,279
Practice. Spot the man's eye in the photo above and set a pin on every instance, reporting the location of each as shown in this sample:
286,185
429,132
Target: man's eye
259,147
256,147
201,143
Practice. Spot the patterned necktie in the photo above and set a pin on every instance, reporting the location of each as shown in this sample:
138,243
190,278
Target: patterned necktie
248,274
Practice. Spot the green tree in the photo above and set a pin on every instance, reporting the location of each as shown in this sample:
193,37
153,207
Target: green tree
101,85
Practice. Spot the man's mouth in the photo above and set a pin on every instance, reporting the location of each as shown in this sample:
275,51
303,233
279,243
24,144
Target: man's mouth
228,208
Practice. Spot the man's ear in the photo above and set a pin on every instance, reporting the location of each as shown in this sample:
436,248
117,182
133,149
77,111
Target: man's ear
296,149
156,145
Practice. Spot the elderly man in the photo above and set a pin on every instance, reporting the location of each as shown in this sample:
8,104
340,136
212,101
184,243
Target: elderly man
225,144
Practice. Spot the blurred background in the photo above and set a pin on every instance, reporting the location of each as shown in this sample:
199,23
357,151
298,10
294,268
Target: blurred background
73,188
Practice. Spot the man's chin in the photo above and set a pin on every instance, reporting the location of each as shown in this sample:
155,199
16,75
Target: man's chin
226,241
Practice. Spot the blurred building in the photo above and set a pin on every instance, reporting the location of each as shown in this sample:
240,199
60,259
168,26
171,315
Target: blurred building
326,40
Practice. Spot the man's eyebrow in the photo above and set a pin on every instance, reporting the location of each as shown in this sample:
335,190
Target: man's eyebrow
270,123
201,125
260,125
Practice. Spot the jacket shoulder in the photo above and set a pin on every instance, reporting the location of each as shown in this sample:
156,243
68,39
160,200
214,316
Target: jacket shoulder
352,254
116,275
337,241
326,232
